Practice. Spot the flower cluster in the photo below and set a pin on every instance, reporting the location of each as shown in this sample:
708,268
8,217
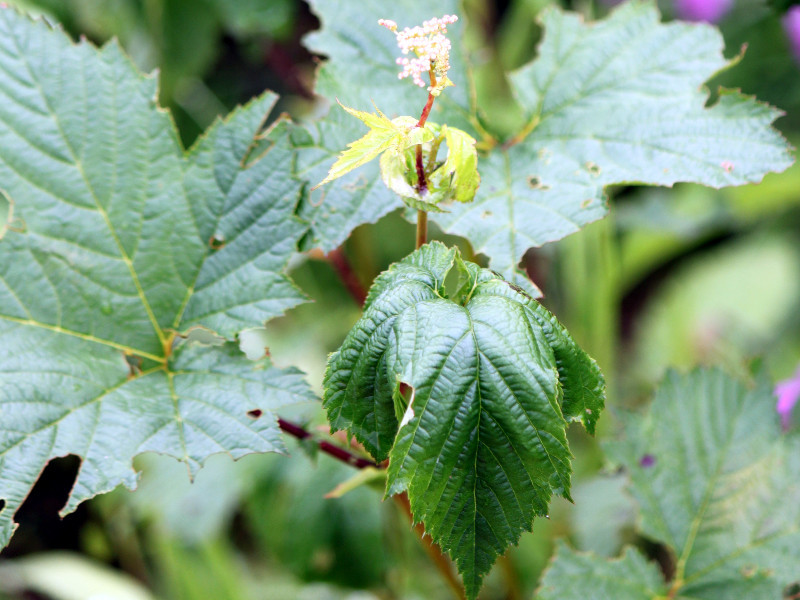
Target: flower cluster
431,49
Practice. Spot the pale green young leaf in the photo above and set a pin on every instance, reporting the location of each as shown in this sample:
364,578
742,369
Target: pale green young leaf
482,445
717,483
121,242
460,167
382,135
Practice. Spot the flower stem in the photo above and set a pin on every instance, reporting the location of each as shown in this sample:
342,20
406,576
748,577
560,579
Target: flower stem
422,228
422,185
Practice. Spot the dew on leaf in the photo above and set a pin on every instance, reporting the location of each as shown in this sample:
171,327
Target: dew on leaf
106,309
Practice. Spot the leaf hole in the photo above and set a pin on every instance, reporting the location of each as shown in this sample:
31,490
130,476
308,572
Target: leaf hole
134,365
792,591
255,413
593,168
587,202
535,182
486,214
2,505
216,241
727,166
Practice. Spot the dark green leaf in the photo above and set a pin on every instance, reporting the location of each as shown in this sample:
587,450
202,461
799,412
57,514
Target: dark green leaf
482,444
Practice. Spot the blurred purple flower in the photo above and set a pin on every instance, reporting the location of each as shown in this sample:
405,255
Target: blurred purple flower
788,393
791,25
702,10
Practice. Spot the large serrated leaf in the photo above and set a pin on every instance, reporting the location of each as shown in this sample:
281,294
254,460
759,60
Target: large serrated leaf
121,241
481,445
617,101
717,483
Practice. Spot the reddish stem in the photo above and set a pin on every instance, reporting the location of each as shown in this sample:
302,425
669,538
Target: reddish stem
422,185
336,452
428,105
339,261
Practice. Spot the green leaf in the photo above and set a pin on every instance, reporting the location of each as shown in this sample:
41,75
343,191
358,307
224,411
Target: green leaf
128,243
715,482
613,102
382,135
460,169
482,445
576,576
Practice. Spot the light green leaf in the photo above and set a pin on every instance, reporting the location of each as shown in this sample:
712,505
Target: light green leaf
617,101
576,576
127,242
382,135
717,483
482,445
461,166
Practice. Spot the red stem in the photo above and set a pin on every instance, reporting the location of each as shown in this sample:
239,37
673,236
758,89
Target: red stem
348,277
336,452
422,185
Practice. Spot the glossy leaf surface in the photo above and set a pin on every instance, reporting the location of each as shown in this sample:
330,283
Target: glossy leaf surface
480,446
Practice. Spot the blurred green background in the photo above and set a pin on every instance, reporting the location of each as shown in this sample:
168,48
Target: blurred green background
673,277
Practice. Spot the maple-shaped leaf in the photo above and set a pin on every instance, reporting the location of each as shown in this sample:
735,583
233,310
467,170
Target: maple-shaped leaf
123,243
717,483
480,446
612,102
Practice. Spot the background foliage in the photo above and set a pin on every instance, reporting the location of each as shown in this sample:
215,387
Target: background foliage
673,276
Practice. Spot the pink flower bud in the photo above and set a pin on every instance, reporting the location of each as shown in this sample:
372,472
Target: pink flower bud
788,393
791,25
710,11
